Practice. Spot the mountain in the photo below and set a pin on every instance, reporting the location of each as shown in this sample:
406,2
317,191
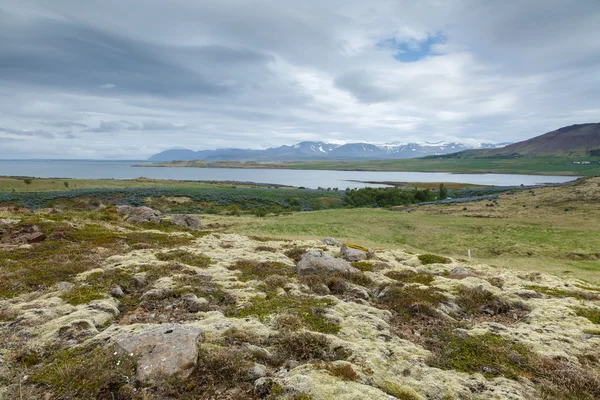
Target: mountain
304,151
576,140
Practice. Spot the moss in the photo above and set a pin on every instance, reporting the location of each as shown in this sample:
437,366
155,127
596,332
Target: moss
353,246
488,354
183,256
433,259
255,270
364,266
82,295
591,313
556,292
398,391
310,310
85,373
411,277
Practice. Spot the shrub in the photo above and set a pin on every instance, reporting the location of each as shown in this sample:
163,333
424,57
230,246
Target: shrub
27,181
411,300
66,184
340,370
433,259
251,270
185,257
295,254
303,346
362,265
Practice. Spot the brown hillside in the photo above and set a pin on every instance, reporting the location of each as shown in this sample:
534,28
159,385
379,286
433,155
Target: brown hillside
575,140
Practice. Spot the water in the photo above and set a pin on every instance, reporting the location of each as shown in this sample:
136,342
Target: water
306,178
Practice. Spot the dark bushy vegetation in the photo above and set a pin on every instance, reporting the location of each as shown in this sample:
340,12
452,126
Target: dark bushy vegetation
385,197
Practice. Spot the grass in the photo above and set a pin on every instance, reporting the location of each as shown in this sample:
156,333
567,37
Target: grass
527,238
255,270
433,259
411,277
82,373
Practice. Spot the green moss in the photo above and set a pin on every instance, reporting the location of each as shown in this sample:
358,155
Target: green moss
398,391
354,246
183,256
433,259
488,354
556,292
591,313
84,373
82,295
411,277
255,270
310,310
364,266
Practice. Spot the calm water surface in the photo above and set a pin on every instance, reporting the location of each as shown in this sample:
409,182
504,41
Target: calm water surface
306,178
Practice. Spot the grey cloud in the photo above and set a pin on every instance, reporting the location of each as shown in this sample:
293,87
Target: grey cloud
27,133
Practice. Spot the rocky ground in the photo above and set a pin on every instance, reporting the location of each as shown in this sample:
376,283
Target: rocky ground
131,304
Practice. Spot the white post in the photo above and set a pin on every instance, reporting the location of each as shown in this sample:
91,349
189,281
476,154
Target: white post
469,251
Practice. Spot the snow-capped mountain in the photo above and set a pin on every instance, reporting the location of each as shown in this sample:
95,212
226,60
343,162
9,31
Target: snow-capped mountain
325,151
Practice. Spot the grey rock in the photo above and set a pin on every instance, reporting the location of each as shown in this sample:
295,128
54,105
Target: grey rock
77,330
140,214
64,286
162,351
117,292
186,220
257,371
351,254
460,273
359,292
332,242
193,303
140,279
318,262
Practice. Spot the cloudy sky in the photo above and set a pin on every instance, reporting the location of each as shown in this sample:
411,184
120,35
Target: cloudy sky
126,79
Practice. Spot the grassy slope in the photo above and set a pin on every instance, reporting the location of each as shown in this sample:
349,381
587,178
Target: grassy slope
537,166
50,185
547,239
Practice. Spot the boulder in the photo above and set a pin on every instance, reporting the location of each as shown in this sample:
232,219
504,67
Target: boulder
22,235
186,220
117,291
460,273
318,262
353,254
162,351
332,242
140,214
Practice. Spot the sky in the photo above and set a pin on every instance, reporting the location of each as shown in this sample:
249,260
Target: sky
117,79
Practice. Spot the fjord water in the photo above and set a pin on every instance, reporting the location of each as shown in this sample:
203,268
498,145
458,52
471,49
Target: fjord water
307,178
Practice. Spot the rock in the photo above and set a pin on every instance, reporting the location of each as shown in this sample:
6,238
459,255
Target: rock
23,234
57,236
318,262
140,214
193,303
140,279
257,371
352,254
460,273
186,220
332,242
64,286
162,351
77,330
359,292
117,292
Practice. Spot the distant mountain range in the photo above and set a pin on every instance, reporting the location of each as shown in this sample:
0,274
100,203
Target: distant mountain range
572,141
306,151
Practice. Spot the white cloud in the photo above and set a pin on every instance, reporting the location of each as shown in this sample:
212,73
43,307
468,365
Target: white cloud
238,74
